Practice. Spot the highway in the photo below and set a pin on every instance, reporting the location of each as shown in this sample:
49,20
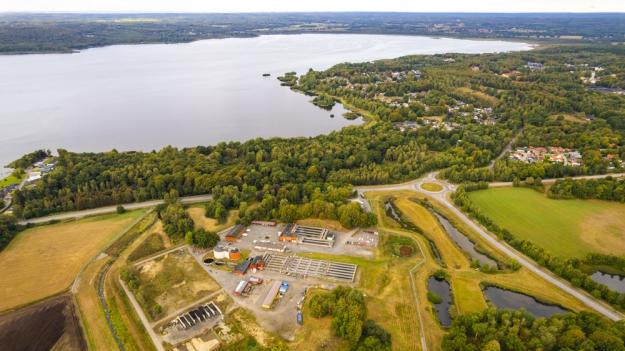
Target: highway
112,209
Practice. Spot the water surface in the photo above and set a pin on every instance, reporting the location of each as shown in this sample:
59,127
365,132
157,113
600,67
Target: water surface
464,243
442,289
613,281
507,299
144,97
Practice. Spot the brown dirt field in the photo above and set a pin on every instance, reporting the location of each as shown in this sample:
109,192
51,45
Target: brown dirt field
48,325
56,252
405,251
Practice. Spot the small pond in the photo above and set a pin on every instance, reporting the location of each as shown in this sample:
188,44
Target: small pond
465,244
613,281
512,300
442,289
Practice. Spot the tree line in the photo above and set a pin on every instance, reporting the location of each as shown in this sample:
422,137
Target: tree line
507,330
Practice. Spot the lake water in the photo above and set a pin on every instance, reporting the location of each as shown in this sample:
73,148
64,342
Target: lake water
144,97
506,299
613,281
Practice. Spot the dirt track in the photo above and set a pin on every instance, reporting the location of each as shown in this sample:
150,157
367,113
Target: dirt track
50,324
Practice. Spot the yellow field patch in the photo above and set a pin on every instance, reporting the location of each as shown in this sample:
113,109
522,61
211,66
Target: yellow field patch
43,261
603,232
421,217
210,224
323,223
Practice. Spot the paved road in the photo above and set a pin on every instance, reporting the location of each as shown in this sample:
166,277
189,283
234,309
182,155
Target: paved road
442,197
112,209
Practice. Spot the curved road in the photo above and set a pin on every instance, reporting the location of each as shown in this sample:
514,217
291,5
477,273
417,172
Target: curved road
442,197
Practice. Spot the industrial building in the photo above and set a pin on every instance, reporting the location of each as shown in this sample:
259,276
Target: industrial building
197,315
271,294
234,234
226,252
307,235
269,246
305,267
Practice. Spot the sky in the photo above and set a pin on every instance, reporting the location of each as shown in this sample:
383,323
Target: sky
312,5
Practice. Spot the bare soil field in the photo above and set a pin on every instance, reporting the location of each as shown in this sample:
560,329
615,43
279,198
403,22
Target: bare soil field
49,325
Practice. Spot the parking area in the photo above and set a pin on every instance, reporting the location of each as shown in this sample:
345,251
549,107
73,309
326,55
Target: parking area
256,236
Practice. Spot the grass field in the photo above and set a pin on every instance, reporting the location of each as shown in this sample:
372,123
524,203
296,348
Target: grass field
201,221
432,187
171,282
570,228
43,261
10,180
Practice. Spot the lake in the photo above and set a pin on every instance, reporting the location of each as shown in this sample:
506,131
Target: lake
144,97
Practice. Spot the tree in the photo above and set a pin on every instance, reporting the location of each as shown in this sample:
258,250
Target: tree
120,209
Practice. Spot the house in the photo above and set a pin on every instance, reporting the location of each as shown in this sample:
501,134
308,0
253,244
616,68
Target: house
534,66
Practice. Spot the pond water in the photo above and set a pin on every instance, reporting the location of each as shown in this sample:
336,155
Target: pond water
613,281
507,299
442,289
144,97
465,244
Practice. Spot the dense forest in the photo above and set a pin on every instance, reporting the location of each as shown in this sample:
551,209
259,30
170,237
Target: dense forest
8,229
609,189
494,330
57,32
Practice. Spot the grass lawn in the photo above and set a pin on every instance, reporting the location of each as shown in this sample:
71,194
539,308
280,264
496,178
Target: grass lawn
570,228
43,261
432,187
10,180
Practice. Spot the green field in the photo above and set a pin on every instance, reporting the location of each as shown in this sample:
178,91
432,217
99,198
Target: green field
10,180
570,228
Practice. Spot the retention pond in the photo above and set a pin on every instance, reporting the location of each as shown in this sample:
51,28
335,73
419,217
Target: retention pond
512,300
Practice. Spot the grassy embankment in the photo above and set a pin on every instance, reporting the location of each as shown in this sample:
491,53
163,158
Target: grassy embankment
44,260
128,326
569,228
